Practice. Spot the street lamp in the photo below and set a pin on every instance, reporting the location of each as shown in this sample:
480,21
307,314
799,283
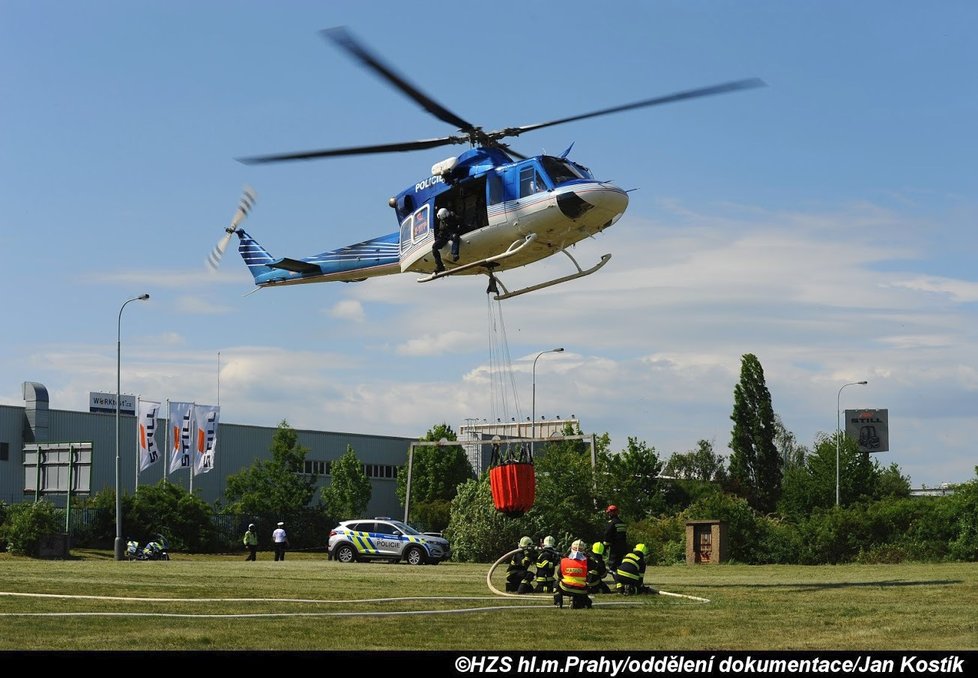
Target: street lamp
838,434
118,397
533,425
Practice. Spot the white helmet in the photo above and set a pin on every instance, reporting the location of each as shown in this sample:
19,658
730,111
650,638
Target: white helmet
549,542
442,213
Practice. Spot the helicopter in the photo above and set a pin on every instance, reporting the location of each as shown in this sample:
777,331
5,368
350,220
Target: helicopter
512,209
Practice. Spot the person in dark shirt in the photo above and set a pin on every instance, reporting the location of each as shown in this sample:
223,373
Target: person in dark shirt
546,566
615,538
518,573
448,228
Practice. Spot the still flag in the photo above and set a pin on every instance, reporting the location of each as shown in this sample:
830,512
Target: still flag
149,454
206,418
181,423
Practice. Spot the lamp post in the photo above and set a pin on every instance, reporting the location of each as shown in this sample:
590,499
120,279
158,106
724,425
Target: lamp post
118,397
533,425
838,433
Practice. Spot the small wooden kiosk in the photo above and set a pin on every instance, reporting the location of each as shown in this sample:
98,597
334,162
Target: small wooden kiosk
706,542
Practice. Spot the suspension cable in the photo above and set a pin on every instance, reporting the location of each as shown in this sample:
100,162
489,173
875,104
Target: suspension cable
501,374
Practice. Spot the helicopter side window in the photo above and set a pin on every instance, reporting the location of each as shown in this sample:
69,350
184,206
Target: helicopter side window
406,233
531,182
496,193
420,229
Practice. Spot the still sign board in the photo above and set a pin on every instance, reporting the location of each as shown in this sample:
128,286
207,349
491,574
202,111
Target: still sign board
869,428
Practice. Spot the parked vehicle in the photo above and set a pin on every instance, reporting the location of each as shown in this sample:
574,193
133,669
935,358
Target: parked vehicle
383,538
157,549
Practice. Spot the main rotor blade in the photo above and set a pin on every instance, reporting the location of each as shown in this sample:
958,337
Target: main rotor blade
344,39
668,99
354,150
509,150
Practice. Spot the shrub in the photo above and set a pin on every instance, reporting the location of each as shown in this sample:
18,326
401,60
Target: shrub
28,522
665,536
745,529
964,507
477,532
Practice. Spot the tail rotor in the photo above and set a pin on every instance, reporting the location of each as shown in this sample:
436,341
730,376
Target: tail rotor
247,202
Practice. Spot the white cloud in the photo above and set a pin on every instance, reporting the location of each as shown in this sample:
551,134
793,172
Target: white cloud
961,291
652,342
439,344
348,309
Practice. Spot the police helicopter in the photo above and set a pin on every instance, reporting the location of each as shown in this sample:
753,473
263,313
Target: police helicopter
511,209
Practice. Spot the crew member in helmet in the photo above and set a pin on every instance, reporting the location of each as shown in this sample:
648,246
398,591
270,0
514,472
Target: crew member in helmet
546,566
518,573
597,569
448,228
631,572
251,541
615,537
572,577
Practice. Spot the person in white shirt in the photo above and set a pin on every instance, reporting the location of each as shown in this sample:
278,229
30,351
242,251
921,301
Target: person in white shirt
279,541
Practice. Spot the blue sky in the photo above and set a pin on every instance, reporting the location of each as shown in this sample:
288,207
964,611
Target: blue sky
825,223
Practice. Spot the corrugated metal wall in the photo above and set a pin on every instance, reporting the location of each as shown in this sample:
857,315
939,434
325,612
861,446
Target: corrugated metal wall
238,447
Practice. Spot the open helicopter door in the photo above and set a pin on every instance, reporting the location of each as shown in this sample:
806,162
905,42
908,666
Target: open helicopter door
417,234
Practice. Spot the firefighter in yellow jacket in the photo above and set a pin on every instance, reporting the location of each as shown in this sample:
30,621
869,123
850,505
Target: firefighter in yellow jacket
546,566
572,578
630,574
518,573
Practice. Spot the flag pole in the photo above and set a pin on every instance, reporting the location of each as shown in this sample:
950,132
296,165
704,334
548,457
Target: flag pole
166,442
193,440
139,400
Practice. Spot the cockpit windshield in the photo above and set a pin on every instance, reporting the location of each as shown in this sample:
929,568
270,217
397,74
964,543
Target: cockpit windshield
560,170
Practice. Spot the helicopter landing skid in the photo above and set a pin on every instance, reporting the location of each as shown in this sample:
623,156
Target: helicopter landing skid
488,262
550,283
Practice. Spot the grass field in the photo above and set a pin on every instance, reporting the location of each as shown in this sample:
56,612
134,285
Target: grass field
309,603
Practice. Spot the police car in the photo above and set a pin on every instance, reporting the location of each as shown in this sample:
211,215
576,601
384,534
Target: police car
385,539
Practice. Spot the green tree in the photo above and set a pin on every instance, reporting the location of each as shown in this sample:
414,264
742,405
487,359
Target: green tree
860,478
349,491
792,454
699,464
892,483
693,475
629,479
277,486
436,473
755,465
964,508
565,500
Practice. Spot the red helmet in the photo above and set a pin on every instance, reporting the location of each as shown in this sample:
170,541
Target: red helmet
611,509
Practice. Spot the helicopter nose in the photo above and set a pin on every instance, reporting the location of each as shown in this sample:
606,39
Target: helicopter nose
610,199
